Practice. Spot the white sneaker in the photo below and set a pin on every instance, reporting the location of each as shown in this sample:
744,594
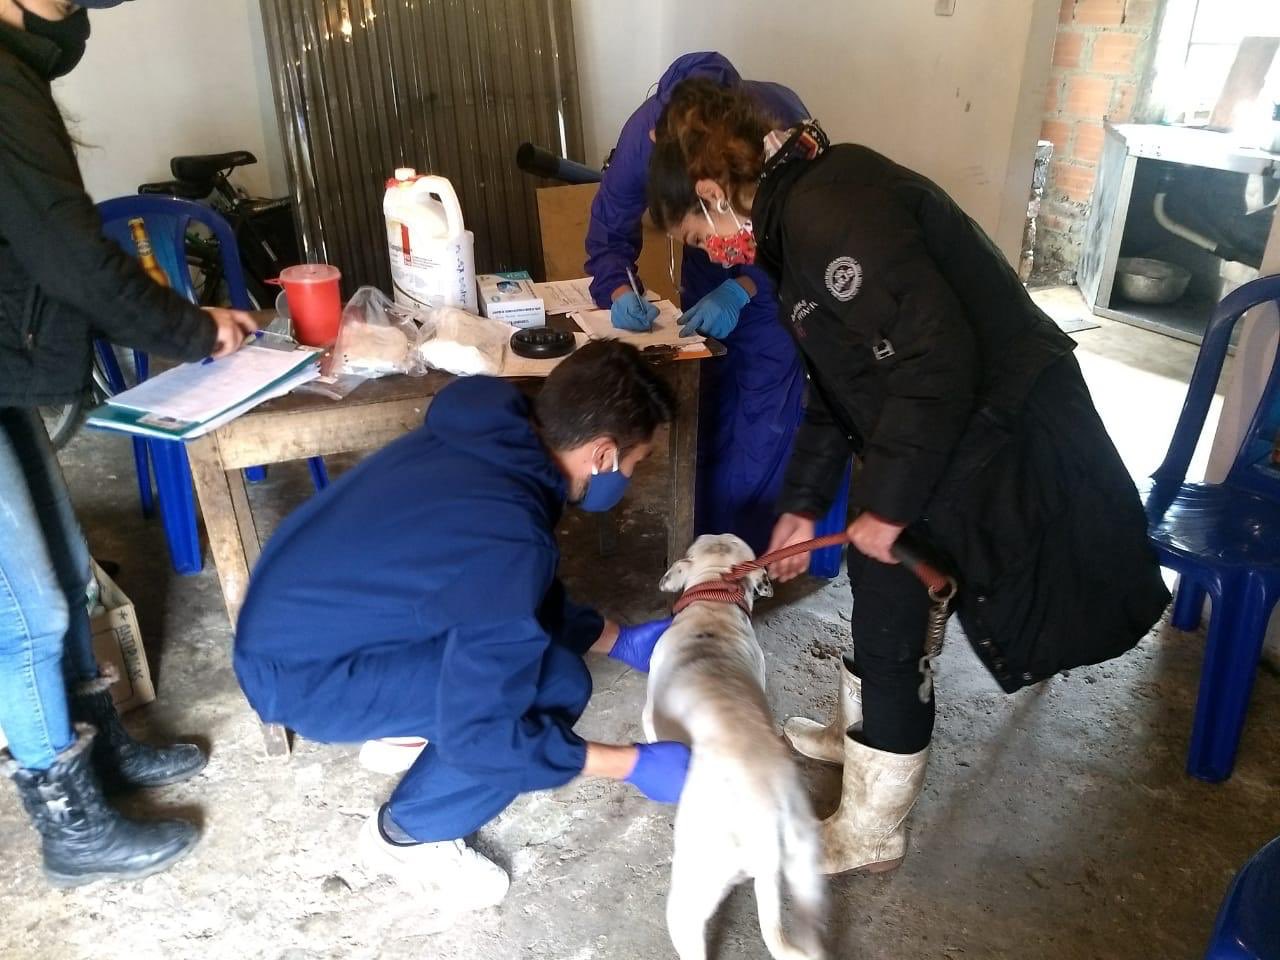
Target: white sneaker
391,755
451,875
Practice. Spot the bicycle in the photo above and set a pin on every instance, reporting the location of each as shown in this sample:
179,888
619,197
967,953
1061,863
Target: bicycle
263,227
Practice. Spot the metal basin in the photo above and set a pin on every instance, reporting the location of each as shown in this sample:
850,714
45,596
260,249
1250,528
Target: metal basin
1151,281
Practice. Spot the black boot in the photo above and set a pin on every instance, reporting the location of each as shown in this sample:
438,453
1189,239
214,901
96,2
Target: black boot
84,839
122,762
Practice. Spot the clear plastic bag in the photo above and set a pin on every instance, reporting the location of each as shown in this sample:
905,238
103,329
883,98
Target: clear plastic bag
461,343
377,338
336,387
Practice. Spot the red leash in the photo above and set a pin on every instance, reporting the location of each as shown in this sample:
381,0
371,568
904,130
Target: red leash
714,591
940,585
730,589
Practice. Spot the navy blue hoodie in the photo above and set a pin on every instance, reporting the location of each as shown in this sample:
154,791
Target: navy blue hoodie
430,568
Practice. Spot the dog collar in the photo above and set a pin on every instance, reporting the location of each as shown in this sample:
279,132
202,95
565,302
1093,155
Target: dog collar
714,591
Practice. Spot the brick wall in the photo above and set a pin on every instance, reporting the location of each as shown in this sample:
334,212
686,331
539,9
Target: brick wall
1101,58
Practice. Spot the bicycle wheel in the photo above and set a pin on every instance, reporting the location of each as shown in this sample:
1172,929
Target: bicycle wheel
62,422
204,261
204,264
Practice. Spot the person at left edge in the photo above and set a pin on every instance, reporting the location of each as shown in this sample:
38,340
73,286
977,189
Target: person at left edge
61,283
417,596
752,398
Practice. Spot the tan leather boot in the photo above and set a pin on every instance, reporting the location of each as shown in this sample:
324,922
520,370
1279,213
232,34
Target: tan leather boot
867,832
825,742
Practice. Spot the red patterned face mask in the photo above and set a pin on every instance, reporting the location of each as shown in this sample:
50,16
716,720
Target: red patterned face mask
730,250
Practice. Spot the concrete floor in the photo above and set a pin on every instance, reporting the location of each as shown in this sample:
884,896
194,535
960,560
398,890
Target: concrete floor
1056,823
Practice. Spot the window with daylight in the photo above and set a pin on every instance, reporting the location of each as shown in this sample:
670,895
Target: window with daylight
1204,35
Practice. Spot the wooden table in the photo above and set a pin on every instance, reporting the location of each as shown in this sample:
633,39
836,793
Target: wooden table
306,425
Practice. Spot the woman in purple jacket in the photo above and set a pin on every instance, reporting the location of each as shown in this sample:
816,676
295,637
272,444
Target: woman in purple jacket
752,398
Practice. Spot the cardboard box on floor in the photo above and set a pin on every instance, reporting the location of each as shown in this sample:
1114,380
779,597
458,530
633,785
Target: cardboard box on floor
118,641
563,215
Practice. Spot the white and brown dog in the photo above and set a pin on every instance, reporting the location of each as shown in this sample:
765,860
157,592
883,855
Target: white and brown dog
744,812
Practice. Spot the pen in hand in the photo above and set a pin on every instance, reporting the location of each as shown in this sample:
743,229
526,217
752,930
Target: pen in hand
635,285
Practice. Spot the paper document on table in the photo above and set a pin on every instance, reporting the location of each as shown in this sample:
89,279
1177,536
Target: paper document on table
281,389
571,296
665,331
517,366
195,392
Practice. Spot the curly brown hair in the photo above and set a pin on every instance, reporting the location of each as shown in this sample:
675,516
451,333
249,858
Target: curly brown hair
714,133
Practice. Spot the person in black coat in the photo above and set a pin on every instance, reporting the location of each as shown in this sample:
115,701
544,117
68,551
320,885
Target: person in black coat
973,428
61,283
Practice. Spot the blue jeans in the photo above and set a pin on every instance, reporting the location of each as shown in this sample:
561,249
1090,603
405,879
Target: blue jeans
45,641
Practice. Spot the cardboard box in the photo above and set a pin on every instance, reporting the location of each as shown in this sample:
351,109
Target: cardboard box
117,643
563,215
510,297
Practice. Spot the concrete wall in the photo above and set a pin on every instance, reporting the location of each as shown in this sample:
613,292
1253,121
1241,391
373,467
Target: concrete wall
162,79
1101,58
958,98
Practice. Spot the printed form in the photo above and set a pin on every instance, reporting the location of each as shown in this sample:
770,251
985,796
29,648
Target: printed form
196,392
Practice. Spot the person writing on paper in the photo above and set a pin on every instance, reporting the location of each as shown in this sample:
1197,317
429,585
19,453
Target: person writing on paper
418,597
61,284
751,398
970,418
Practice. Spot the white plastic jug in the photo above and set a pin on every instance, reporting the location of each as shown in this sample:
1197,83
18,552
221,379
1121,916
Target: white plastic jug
432,253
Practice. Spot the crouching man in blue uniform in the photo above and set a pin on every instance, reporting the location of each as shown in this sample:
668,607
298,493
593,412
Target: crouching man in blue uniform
418,596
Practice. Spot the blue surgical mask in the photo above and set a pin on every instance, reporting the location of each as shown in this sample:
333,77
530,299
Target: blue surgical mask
604,490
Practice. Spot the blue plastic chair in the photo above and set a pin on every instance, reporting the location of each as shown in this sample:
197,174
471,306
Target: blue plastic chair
1224,541
825,563
1248,926
167,220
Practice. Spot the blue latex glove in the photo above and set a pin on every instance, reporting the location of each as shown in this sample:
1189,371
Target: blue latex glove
716,314
629,312
660,770
635,644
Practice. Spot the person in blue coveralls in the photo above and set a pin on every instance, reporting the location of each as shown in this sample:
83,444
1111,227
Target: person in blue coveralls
418,596
752,398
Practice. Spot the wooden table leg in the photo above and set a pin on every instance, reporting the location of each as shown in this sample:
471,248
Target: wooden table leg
683,458
233,540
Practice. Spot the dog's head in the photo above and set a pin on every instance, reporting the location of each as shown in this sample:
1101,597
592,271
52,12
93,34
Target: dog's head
709,558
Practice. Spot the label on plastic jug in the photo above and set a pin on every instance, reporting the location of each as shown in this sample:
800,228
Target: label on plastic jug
431,272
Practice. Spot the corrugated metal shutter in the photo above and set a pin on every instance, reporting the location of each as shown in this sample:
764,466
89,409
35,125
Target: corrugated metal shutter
450,87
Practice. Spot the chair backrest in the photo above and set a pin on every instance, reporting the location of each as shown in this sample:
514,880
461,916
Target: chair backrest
1252,468
1248,922
167,220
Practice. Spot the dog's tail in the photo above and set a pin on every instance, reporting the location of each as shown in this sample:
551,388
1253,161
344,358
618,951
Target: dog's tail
797,867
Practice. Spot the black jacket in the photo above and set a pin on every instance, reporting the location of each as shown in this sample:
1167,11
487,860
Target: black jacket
929,361
61,281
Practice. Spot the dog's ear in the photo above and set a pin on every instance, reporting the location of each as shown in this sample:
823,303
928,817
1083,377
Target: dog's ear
673,580
760,584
